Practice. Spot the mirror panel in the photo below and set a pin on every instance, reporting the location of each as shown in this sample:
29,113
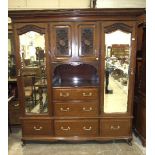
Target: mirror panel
33,72
116,79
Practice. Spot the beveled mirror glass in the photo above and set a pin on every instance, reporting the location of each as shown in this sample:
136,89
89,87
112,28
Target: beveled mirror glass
33,72
116,79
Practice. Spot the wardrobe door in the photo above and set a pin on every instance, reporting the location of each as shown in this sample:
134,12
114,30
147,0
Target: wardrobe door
87,39
32,67
117,65
62,41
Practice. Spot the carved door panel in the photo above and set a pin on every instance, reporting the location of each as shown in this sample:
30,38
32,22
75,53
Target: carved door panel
61,41
87,40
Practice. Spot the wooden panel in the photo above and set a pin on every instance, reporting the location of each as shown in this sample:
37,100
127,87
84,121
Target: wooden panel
14,113
115,127
75,94
76,109
76,128
37,127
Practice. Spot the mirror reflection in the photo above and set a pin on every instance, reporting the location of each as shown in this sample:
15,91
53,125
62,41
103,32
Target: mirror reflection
32,53
116,80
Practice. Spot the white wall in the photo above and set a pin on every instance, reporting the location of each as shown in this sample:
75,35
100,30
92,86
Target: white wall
47,4
56,4
121,3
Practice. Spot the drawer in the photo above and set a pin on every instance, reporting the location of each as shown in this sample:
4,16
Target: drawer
38,127
115,127
75,94
83,128
76,109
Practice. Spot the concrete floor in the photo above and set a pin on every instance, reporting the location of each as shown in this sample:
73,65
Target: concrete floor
65,148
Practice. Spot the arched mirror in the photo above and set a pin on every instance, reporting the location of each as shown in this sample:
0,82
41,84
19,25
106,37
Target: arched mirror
33,72
116,79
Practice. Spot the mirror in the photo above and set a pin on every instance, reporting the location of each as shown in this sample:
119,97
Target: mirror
33,72
116,79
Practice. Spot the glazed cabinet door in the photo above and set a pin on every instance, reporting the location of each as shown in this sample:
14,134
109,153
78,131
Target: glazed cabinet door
87,39
117,65
31,53
61,41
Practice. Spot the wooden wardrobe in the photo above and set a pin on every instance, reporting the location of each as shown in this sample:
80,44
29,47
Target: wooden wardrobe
76,71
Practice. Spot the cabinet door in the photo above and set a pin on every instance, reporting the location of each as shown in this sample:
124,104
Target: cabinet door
87,38
117,65
61,40
32,67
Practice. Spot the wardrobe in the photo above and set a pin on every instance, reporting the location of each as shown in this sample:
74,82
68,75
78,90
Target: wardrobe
76,71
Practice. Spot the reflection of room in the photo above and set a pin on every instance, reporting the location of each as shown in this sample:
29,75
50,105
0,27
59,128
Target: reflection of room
116,67
32,45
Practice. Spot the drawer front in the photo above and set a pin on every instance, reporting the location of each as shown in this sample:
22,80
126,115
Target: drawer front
115,127
37,127
76,109
75,94
83,128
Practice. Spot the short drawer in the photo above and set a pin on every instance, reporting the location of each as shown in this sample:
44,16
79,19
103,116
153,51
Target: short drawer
75,94
83,128
115,127
76,109
37,127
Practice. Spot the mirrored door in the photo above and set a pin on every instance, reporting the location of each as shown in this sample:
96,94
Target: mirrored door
33,72
117,61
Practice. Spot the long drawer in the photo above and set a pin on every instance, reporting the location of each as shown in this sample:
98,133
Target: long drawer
76,109
75,94
38,127
83,128
115,127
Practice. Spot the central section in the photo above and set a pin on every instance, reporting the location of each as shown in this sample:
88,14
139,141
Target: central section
75,74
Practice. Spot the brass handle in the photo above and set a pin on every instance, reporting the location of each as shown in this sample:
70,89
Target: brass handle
65,129
16,105
87,129
115,127
131,71
62,109
90,109
19,72
87,94
37,129
64,94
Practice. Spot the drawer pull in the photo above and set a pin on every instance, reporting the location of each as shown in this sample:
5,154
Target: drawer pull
64,94
16,105
87,94
37,129
90,109
65,129
87,129
115,127
62,109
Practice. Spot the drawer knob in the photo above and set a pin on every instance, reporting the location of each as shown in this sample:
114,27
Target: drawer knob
115,127
64,94
90,109
65,129
87,129
62,109
87,94
37,129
